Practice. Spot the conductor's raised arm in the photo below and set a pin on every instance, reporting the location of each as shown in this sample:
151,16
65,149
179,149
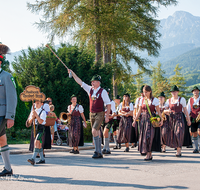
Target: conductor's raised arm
76,78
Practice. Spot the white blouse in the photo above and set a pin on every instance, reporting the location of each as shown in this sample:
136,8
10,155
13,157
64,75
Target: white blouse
155,102
130,106
78,108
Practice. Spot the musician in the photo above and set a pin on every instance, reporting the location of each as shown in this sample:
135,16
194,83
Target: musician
39,114
116,120
125,125
193,108
8,103
76,127
175,106
98,97
107,126
147,130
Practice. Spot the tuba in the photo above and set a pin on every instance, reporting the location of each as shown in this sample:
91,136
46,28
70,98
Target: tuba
65,117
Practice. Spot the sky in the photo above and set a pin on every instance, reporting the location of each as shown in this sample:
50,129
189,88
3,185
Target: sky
17,29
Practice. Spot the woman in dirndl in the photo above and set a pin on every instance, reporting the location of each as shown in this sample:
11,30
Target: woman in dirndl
76,127
175,106
126,113
165,130
148,133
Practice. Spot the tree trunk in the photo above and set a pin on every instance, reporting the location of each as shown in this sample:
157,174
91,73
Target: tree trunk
98,34
114,75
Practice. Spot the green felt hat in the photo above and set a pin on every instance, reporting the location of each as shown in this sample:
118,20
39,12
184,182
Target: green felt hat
127,94
141,89
195,88
118,97
96,77
174,88
72,96
162,94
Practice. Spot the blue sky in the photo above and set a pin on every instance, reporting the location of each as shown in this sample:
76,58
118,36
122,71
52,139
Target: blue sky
18,32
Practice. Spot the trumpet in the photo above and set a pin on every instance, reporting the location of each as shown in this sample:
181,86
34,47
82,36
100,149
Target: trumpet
198,118
65,117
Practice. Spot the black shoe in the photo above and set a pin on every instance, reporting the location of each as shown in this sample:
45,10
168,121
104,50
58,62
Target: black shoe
175,149
120,146
72,151
133,146
190,146
100,155
127,149
148,159
104,151
97,155
108,152
41,162
5,172
38,156
195,151
44,155
116,147
31,161
163,151
178,155
76,152
143,154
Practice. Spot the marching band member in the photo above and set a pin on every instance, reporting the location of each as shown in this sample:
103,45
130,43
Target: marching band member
8,103
107,127
125,125
76,128
146,128
40,120
174,108
116,121
193,108
98,98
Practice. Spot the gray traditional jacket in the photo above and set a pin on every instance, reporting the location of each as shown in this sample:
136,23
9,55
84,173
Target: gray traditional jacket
8,95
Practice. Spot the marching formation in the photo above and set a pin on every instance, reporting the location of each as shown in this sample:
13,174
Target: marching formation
153,122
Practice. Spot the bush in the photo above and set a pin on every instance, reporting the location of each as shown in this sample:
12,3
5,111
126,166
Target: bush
87,132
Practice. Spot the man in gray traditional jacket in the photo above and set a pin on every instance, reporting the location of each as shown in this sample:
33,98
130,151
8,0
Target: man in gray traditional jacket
8,103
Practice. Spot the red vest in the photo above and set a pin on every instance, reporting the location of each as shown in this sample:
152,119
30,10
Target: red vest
151,107
96,104
174,107
194,112
75,113
126,110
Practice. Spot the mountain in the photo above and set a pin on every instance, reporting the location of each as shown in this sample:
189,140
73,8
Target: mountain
181,27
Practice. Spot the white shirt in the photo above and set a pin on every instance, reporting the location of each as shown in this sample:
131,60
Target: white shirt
155,102
45,107
196,102
130,106
0,69
78,108
182,102
104,94
137,101
43,115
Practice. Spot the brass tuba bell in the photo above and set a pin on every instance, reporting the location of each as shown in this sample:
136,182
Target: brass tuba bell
65,117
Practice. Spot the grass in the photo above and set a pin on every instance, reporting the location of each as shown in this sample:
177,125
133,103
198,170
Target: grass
12,141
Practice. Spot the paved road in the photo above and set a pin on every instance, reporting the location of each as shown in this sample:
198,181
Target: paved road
117,171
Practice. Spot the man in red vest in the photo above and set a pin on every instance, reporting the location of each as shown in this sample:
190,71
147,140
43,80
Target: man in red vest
193,108
98,98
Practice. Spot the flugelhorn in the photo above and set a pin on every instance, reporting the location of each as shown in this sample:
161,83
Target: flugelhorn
198,118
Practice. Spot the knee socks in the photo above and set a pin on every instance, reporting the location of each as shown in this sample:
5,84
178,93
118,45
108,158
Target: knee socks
5,157
195,139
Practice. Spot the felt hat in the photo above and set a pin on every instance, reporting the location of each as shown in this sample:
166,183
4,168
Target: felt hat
127,94
195,88
162,94
72,96
141,89
174,88
96,77
118,97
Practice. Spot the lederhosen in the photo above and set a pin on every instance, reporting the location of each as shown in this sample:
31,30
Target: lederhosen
149,139
125,126
176,124
193,115
96,109
75,127
40,130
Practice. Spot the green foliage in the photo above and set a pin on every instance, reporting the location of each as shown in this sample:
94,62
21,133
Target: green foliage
41,68
5,65
87,132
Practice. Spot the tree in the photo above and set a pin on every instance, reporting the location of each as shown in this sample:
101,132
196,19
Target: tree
5,65
41,68
179,81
